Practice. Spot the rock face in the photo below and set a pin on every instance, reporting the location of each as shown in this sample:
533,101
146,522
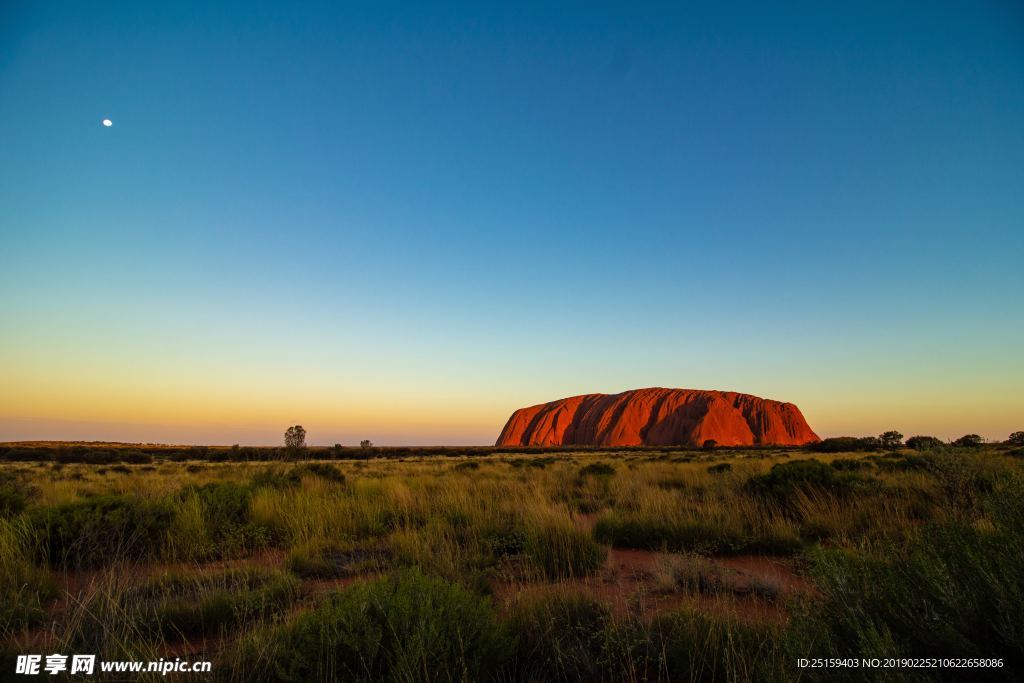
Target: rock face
658,417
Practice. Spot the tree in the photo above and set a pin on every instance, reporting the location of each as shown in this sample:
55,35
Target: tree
891,440
969,441
295,440
1016,439
366,443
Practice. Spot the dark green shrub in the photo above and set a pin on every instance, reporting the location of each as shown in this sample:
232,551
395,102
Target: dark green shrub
11,502
924,443
98,531
787,477
969,441
891,440
224,503
277,478
849,464
719,468
135,457
322,470
846,444
14,493
404,627
699,536
226,510
904,464
1016,439
597,469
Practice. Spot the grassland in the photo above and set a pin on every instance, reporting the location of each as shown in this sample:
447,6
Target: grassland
639,565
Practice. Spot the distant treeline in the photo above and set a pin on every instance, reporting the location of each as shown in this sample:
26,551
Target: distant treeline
106,454
102,454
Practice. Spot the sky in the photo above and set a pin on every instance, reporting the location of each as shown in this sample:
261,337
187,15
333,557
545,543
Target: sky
401,222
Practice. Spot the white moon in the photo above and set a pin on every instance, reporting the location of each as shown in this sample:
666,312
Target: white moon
108,123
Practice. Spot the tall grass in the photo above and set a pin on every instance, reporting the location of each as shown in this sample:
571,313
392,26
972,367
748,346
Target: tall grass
502,567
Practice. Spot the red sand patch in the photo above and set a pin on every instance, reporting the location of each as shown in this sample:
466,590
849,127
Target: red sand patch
746,586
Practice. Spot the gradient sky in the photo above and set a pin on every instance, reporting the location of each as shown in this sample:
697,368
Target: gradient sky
403,221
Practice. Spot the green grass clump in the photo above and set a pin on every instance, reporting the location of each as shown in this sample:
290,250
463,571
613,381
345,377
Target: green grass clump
956,588
191,605
597,469
215,520
561,637
698,646
14,493
24,588
703,535
99,531
557,549
333,560
323,470
405,627
126,611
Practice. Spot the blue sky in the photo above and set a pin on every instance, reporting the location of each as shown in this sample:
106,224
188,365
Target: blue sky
401,222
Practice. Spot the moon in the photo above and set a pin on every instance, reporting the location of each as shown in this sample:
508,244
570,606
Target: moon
108,123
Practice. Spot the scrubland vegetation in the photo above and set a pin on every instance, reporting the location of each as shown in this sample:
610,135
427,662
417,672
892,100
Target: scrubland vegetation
632,565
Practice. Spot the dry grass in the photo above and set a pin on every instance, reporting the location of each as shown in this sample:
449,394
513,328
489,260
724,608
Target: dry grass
505,523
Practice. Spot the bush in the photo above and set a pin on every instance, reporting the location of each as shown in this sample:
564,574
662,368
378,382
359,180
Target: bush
224,503
846,444
891,440
597,469
719,468
14,494
907,463
849,464
277,478
924,443
331,560
98,531
786,478
404,627
215,520
707,536
969,441
467,466
322,470
1016,439
11,502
